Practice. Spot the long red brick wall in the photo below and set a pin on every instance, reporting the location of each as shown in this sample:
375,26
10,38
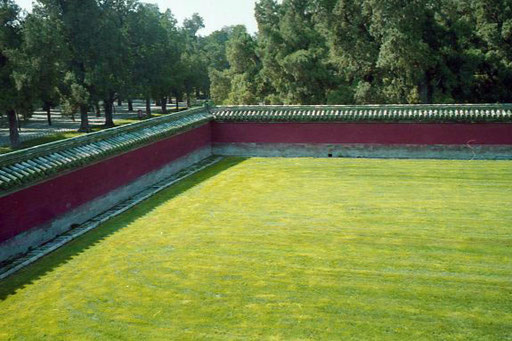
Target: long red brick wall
46,201
369,133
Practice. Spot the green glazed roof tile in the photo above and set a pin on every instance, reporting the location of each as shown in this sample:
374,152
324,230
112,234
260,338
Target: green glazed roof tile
452,113
24,167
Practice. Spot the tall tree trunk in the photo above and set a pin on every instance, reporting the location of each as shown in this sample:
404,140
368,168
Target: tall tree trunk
148,107
48,109
109,121
188,100
425,89
130,105
164,105
14,135
119,102
98,110
84,119
177,102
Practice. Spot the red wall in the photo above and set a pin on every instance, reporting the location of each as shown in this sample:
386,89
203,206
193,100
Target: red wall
374,133
46,201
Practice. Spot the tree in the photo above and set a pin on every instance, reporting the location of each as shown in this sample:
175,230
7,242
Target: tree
170,75
194,63
268,13
77,53
155,45
10,39
238,84
82,25
215,47
43,57
394,50
220,85
493,48
353,49
109,74
294,53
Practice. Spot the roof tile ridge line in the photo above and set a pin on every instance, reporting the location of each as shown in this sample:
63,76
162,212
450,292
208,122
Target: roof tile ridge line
454,113
51,147
363,106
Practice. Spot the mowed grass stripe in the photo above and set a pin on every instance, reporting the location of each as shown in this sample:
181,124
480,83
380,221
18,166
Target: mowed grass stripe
288,249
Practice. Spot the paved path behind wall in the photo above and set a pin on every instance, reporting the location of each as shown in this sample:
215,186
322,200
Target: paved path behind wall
38,127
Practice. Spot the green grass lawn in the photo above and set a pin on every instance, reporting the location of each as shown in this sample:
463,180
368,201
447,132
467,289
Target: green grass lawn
287,249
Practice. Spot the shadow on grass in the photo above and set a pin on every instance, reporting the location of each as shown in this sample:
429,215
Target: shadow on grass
33,272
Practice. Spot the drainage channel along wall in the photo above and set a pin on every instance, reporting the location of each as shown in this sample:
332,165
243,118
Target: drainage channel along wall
49,188
389,131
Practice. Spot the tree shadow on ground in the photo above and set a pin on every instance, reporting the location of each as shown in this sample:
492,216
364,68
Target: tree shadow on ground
30,274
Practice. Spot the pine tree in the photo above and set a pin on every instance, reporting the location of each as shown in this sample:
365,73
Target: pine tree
10,40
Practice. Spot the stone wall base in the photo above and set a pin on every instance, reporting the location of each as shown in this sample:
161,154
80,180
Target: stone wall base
450,152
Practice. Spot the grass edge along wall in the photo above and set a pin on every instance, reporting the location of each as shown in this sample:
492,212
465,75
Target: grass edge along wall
278,248
43,184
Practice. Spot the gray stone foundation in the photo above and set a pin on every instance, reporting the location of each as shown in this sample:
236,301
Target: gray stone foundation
453,152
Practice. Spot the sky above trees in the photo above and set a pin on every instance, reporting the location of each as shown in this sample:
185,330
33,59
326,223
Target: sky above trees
216,13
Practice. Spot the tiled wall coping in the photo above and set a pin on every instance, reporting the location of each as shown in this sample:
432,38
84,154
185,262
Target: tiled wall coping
22,168
440,113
